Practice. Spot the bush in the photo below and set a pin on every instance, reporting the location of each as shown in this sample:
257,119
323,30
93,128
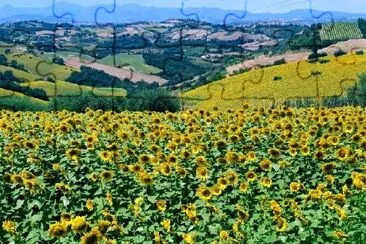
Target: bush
359,52
279,62
339,53
313,56
277,77
324,61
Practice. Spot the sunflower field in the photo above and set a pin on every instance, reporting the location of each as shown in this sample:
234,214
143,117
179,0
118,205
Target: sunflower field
249,175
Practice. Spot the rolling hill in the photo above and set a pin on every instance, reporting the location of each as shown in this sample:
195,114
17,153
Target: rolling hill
301,79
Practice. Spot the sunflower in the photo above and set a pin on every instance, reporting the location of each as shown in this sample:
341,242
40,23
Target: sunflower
328,168
343,153
201,161
359,180
103,226
232,157
161,205
251,176
222,183
266,182
242,214
274,152
204,193
281,224
295,186
181,172
188,238
145,178
172,159
185,154
330,179
165,169
106,156
202,173
276,208
73,153
266,164
243,187
166,224
93,177
305,151
89,204
79,224
220,144
106,175
143,159
57,230
292,152
224,235
333,140
340,234
216,190
92,237
9,226
65,218
109,198
136,168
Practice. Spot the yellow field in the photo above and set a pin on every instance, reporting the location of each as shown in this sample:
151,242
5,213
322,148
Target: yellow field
63,88
276,175
296,81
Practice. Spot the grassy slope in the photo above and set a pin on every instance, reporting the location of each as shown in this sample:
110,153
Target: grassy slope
295,82
31,62
20,73
136,61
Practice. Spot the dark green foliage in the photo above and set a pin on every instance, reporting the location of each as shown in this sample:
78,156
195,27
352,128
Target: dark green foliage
95,78
3,60
58,60
359,52
362,26
277,77
15,103
144,100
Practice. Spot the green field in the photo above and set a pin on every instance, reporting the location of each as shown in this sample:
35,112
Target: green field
136,61
340,31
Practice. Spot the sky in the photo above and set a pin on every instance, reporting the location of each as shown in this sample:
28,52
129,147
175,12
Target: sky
257,6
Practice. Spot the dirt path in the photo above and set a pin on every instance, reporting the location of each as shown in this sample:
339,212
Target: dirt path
120,73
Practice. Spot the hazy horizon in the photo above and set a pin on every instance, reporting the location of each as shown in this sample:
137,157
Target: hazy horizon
254,6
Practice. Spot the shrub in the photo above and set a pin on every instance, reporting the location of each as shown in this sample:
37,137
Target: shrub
279,61
339,53
359,52
277,77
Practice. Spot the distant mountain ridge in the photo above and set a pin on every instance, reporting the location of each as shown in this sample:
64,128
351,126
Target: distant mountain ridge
134,13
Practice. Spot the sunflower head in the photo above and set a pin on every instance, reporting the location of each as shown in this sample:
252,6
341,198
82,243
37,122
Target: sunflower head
106,175
79,224
92,237
204,193
57,230
9,226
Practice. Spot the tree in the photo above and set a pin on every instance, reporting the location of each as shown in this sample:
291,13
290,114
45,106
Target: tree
3,60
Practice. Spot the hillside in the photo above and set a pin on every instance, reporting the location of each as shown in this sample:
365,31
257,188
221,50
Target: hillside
278,83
